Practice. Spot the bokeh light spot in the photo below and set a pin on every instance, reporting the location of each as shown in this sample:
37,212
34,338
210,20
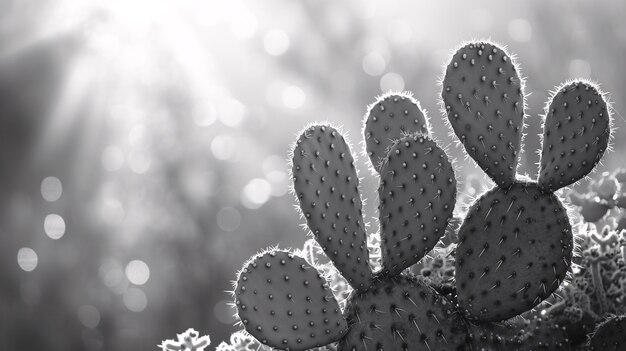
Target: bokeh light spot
89,316
137,272
204,113
579,68
391,82
112,158
54,226
112,274
231,112
520,30
112,212
135,300
228,219
51,189
243,26
139,161
224,312
293,97
223,147
374,64
276,42
139,137
27,259
256,193
399,32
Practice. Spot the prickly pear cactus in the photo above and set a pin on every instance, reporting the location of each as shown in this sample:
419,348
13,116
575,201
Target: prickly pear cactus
285,302
391,116
513,249
515,245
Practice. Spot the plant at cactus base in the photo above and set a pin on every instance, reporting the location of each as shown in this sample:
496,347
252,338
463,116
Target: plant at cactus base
604,195
516,242
190,340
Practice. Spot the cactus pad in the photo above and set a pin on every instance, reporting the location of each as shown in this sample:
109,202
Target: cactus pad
391,117
576,134
610,335
285,303
515,248
417,195
327,187
483,97
402,313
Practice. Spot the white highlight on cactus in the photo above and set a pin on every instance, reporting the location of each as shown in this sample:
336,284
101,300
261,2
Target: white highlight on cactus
89,316
520,30
135,300
51,189
223,147
293,97
228,219
112,158
276,42
27,259
204,113
374,63
391,82
54,226
256,193
137,272
243,25
579,68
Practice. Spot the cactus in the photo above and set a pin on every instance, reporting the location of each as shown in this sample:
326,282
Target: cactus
417,194
271,292
513,249
610,335
484,99
391,116
576,132
515,245
506,264
391,309
327,187
402,313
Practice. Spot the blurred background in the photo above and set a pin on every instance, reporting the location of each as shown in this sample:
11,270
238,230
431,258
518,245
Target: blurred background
143,144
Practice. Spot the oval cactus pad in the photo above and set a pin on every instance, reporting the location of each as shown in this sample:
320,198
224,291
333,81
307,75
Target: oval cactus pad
576,133
417,195
515,248
391,117
483,97
327,186
285,303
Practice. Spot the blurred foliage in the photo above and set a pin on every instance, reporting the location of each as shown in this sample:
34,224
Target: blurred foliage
165,126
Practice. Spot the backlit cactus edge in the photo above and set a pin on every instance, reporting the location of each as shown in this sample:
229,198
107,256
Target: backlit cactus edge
514,247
